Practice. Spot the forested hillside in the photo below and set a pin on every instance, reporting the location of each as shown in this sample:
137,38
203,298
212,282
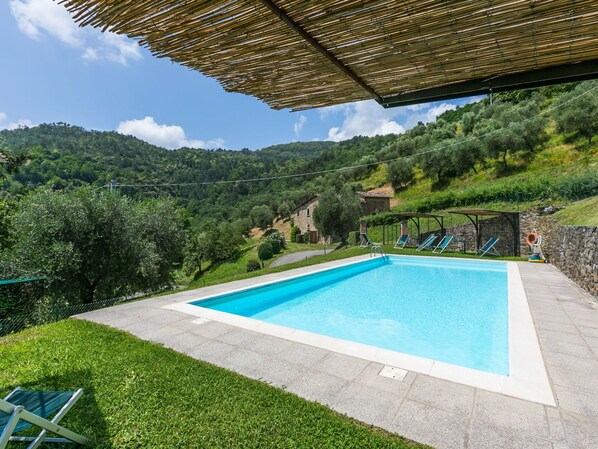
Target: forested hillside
479,144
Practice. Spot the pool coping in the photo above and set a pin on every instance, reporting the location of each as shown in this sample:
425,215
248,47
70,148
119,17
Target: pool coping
527,379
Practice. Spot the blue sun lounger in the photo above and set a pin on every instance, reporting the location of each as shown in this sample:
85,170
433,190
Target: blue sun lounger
23,409
446,241
489,247
402,241
426,244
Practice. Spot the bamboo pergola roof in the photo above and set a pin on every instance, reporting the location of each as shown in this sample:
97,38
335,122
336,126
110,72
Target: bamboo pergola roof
306,54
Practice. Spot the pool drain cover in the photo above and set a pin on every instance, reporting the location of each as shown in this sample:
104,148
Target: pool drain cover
393,373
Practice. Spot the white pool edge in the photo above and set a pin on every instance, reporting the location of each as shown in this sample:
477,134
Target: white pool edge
527,379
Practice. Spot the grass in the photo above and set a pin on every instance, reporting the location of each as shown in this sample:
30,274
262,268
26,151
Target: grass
581,213
229,273
237,268
142,395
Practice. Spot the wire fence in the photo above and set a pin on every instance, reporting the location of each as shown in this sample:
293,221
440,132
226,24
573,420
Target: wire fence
17,323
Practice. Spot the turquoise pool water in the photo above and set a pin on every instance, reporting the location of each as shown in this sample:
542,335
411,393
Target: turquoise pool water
455,311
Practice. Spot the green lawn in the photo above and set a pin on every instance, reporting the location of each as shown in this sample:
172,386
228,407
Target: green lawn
142,395
237,268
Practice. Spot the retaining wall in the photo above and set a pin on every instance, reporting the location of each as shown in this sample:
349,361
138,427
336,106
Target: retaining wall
574,251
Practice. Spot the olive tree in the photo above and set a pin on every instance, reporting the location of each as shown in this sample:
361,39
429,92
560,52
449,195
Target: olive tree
337,212
262,216
91,245
577,111
400,173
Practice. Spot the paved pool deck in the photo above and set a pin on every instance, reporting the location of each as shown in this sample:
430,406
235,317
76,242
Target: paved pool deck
426,409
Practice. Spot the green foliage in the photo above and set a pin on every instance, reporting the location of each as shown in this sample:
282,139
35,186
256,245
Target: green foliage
337,212
578,110
262,216
243,226
285,209
197,251
571,187
265,251
169,399
253,265
400,173
353,238
300,238
222,242
275,244
278,241
92,245
294,231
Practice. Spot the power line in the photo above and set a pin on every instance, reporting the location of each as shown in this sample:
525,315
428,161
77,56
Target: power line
114,184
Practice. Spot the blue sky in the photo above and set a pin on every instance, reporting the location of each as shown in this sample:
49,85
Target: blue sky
54,71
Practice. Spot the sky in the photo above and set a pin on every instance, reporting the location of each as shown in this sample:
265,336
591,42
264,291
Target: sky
54,71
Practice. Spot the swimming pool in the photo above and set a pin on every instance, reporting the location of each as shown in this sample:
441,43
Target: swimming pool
462,320
455,311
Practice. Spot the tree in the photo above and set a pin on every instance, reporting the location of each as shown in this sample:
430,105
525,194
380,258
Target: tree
285,210
223,242
400,173
262,217
265,251
197,252
337,212
577,111
464,154
507,129
91,245
9,162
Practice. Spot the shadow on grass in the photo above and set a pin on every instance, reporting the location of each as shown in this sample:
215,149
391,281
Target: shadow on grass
85,418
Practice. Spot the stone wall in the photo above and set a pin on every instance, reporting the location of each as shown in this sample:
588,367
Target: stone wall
374,205
302,216
491,227
574,251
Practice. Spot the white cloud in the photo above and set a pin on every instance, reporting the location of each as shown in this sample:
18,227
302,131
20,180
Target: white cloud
40,18
299,124
168,136
6,124
365,118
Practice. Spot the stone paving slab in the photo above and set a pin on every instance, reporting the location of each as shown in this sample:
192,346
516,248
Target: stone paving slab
429,410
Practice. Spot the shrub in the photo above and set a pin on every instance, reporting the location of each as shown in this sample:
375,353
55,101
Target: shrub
275,244
294,231
265,251
300,238
279,238
353,238
253,265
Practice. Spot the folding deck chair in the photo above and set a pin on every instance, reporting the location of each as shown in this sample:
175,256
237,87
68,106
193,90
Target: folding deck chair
446,241
23,409
364,241
489,247
402,241
426,243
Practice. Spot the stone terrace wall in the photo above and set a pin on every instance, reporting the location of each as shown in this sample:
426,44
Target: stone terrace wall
490,227
574,251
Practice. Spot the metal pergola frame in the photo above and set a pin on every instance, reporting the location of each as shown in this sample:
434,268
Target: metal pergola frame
565,73
415,217
474,214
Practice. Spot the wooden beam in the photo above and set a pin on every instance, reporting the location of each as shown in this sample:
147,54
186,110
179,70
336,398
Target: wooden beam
282,15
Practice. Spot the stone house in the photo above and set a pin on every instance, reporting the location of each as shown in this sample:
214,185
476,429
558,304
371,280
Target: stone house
371,203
